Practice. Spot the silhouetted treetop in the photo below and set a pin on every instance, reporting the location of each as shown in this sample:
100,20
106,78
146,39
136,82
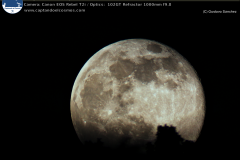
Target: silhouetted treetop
168,142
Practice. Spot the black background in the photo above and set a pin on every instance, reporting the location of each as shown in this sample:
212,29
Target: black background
55,46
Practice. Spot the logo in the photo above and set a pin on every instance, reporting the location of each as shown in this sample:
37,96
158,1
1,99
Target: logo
12,6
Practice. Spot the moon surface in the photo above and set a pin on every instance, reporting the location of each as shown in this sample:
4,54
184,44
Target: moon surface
128,88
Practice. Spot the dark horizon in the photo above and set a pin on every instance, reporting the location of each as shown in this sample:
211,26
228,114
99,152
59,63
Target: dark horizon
168,142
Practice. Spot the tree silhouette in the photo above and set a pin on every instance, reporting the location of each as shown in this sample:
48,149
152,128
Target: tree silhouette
168,144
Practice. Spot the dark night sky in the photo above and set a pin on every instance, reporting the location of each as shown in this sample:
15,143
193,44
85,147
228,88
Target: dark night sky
51,66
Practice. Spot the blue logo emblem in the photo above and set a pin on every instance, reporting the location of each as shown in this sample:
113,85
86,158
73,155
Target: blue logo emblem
12,6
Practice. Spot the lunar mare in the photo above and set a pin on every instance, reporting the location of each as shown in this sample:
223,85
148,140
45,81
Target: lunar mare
130,87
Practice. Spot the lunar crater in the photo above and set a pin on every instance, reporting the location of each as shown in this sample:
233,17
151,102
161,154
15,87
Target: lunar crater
154,48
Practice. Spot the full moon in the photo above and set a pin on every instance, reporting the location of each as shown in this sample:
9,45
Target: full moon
128,88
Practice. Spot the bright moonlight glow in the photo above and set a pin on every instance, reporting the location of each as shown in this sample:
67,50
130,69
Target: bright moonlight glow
130,87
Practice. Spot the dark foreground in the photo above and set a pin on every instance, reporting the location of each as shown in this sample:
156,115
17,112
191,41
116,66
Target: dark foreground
168,145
